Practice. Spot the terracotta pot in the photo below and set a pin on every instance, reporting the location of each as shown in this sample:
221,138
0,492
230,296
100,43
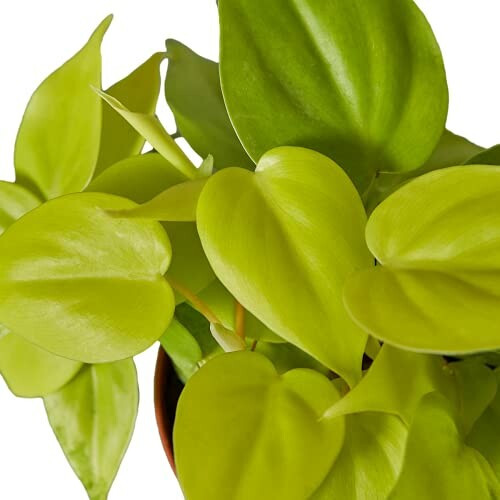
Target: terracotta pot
167,390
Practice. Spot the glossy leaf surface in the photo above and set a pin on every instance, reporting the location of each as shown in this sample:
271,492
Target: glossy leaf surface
82,284
437,288
265,428
194,95
93,418
58,141
31,372
138,91
437,464
395,383
360,81
370,461
283,240
140,179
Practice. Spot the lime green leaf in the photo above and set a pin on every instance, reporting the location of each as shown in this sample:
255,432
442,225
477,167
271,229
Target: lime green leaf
477,387
227,339
223,304
149,127
437,464
485,435
31,372
183,349
451,150
138,178
138,91
361,81
370,461
176,204
253,433
141,178
15,201
194,95
82,284
283,240
395,383
437,239
93,418
58,141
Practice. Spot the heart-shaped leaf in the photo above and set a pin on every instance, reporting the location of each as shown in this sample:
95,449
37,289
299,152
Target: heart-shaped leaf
437,464
93,418
194,95
31,372
438,240
143,177
58,141
283,240
264,427
361,81
370,461
138,91
82,284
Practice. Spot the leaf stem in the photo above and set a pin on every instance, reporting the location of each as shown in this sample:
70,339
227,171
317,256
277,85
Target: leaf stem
239,320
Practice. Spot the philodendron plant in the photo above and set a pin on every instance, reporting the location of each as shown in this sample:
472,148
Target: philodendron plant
326,281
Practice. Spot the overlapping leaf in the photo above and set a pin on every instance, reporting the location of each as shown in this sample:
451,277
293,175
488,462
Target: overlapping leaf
283,240
361,81
256,418
437,288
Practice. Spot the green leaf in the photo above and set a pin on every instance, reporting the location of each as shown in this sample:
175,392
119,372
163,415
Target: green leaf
395,383
194,95
31,372
223,304
82,284
437,464
370,461
451,150
244,432
227,339
183,349
141,178
15,201
176,204
149,127
488,157
93,418
138,91
361,81
485,435
58,141
438,240
283,240
477,387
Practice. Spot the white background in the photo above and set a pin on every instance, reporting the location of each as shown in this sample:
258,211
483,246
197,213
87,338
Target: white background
36,37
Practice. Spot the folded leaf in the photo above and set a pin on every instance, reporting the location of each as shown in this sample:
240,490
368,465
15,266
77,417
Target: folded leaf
31,372
176,204
244,432
93,418
395,384
437,464
370,461
149,127
82,284
194,95
283,240
361,81
438,240
489,156
143,177
58,141
138,91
